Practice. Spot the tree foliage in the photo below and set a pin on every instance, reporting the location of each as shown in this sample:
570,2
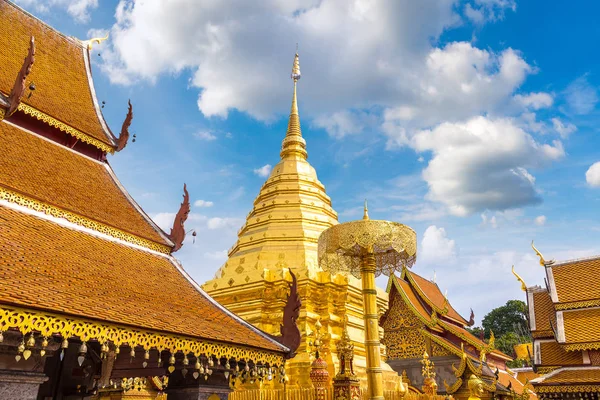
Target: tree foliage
509,324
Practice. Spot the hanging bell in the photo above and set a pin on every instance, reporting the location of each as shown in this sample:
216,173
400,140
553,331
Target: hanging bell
1,337
132,352
31,341
185,360
44,345
198,365
65,344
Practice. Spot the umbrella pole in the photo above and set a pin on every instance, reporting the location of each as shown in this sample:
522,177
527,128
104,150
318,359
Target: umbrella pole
374,373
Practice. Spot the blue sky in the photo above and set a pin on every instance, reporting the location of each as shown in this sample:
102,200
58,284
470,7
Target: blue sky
475,122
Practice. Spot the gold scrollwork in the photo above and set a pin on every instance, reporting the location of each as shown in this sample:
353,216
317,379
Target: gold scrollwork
36,205
47,325
567,388
577,304
582,346
65,128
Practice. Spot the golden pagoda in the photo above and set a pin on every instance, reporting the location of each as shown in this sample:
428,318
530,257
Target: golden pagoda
280,234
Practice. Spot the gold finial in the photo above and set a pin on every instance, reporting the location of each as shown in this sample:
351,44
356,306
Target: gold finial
293,144
543,262
99,40
366,212
523,285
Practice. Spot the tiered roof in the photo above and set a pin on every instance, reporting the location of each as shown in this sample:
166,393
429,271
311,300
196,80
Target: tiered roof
64,94
564,319
443,323
78,257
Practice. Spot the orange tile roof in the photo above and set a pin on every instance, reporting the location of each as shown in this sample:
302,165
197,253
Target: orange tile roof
434,297
53,174
506,378
544,312
552,354
582,325
59,72
472,339
576,376
406,292
570,287
56,269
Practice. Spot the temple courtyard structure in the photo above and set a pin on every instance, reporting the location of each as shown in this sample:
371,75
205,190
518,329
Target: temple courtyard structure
293,313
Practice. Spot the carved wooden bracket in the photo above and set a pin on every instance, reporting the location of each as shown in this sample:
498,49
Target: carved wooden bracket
18,90
177,234
124,135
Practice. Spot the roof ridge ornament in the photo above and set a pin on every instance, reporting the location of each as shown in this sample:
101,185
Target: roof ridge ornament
523,285
124,135
177,234
366,211
88,43
543,262
18,89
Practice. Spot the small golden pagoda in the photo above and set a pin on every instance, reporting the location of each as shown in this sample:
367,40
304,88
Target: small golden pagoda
281,234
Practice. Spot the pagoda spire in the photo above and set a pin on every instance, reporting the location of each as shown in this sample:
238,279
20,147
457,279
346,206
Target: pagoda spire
294,145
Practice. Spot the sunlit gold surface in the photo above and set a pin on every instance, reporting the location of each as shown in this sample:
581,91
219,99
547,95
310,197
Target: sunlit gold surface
369,248
281,233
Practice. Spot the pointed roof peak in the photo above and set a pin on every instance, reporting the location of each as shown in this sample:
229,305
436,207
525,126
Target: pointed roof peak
366,214
294,145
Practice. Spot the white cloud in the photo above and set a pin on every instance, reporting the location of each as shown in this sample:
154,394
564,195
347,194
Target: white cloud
488,10
164,220
223,223
457,82
592,175
564,130
205,135
344,123
263,171
581,96
236,52
203,203
436,247
540,220
78,9
491,221
535,101
482,164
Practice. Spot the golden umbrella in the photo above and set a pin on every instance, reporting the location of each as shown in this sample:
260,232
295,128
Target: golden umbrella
366,249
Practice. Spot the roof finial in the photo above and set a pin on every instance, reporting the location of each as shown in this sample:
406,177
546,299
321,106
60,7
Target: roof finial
294,144
366,214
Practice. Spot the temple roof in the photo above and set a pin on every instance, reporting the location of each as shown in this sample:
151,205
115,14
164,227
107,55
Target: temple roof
50,265
553,354
417,302
571,290
570,376
541,312
61,73
46,174
431,293
581,326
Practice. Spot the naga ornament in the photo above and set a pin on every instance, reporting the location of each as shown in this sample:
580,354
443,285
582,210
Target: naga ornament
290,334
177,234
18,90
124,136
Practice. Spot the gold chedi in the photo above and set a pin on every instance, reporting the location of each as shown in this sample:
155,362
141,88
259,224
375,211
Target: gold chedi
281,234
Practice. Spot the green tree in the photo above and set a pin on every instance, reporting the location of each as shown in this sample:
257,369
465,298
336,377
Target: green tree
509,318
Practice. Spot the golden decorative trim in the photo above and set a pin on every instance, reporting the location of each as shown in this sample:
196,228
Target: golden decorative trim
442,343
37,205
581,346
546,370
47,325
430,323
2,113
451,389
65,128
561,388
577,304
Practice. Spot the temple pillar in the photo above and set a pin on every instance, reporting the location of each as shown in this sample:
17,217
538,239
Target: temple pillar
21,379
20,385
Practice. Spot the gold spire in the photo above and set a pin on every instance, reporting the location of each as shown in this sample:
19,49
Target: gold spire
366,214
294,146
